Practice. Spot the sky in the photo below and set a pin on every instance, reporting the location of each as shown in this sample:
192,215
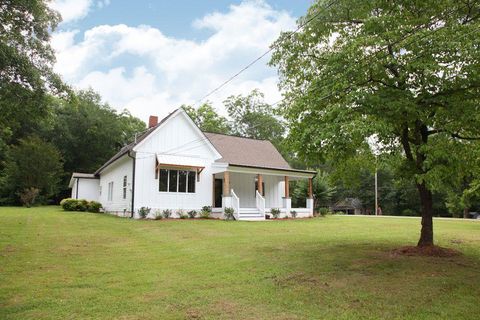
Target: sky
150,57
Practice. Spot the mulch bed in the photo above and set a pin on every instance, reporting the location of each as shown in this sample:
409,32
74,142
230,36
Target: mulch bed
427,251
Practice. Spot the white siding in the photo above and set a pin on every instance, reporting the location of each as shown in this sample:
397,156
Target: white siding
176,137
88,189
115,173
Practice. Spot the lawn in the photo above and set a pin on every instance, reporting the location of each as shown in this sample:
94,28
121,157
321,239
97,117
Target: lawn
58,265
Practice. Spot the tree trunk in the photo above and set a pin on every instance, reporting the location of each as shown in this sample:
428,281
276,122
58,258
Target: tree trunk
465,212
426,200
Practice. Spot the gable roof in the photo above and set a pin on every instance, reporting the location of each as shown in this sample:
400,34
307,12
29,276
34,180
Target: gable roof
247,152
130,146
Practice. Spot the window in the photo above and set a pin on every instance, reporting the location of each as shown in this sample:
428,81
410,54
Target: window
191,181
110,191
172,180
125,187
176,181
182,181
163,180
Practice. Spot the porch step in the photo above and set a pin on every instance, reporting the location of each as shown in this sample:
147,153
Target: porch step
250,214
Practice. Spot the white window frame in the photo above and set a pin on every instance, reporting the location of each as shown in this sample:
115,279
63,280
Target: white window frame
110,191
177,182
124,188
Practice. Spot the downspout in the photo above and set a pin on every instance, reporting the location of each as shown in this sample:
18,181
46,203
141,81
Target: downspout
133,185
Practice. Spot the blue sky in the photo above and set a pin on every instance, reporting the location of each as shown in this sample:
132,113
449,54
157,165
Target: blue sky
152,56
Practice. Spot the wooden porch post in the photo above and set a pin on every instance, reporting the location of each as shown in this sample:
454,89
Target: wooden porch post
287,188
260,183
226,184
310,188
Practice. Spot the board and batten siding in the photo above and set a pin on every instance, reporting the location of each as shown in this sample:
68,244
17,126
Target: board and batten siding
176,137
88,189
115,173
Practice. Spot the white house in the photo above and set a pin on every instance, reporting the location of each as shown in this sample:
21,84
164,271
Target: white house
174,165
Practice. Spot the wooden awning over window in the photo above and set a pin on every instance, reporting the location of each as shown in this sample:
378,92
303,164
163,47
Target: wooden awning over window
180,163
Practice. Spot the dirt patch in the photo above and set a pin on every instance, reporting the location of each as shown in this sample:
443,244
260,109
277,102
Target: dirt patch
427,251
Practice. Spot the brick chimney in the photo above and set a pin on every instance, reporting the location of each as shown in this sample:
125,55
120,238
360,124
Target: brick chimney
152,121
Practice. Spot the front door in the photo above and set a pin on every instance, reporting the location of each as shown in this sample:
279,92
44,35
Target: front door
218,193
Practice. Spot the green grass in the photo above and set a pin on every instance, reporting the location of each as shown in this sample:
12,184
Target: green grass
58,265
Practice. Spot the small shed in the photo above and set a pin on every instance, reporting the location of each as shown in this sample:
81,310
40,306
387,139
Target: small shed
348,205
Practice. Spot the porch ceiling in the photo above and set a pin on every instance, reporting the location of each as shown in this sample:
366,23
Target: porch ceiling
300,174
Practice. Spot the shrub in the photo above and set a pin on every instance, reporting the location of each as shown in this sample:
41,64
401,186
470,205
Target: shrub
82,205
94,206
323,211
206,212
28,196
192,214
158,215
229,213
275,212
293,213
409,213
143,212
167,213
68,204
181,214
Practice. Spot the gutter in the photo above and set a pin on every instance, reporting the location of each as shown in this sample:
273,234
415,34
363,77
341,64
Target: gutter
133,185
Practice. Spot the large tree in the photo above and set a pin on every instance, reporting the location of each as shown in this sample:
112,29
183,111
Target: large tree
405,72
26,61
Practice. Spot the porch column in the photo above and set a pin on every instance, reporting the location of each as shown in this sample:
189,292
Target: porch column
287,188
260,183
310,196
310,188
226,184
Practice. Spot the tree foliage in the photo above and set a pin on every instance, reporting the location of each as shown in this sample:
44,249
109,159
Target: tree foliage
404,71
207,119
33,163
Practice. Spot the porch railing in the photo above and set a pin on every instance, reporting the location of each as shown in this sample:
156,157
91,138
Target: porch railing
260,202
235,205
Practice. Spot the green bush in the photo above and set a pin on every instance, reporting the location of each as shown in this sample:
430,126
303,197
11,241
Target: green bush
167,213
192,214
275,213
206,212
94,206
181,214
409,213
70,204
323,211
229,213
158,215
143,212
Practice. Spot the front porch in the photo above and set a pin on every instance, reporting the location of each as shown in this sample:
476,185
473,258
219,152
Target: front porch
254,192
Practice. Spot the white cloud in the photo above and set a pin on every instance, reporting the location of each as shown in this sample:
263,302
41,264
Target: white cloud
147,72
73,10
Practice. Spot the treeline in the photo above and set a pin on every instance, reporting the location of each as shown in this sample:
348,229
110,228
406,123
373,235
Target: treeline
78,133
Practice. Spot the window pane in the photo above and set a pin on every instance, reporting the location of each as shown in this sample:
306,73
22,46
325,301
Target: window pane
163,181
172,187
182,181
191,181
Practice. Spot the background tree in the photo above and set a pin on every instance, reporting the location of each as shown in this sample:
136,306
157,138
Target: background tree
404,71
254,118
34,163
207,119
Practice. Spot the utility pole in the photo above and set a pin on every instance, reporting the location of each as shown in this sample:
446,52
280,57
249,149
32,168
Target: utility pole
376,190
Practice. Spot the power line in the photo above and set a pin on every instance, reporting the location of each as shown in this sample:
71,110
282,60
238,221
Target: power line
266,52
